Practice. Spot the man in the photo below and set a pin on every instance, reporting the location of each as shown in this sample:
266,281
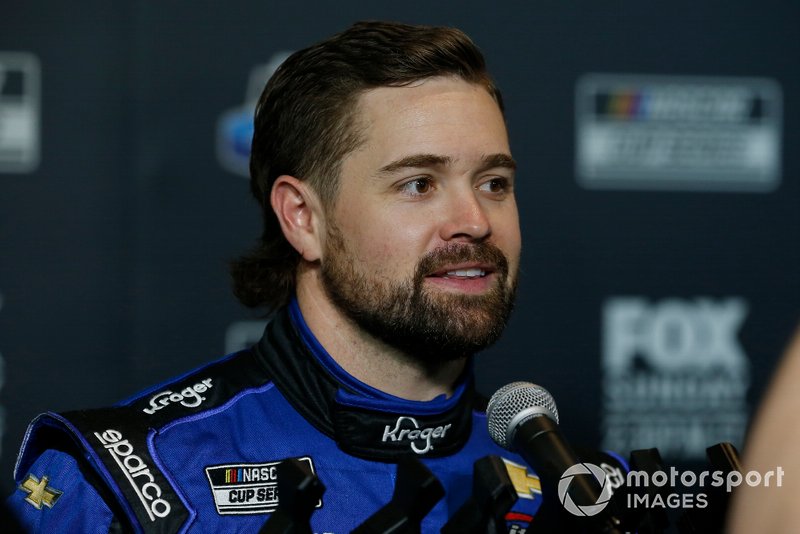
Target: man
390,253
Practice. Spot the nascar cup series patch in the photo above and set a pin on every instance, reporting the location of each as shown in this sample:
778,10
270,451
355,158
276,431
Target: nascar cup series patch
247,488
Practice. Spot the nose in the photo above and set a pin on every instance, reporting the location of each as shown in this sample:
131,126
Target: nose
465,218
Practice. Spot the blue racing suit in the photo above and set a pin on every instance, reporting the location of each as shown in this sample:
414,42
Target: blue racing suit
197,454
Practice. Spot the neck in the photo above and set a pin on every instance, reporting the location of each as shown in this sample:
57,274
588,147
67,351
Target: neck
367,358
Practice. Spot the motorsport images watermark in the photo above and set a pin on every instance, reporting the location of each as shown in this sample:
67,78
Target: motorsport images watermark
674,479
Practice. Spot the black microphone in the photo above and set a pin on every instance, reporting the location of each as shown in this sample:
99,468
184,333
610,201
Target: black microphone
493,495
724,458
416,492
523,417
299,492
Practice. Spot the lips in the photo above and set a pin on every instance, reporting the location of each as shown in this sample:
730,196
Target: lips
464,271
471,269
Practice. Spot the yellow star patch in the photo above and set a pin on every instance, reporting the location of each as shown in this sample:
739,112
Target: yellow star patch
525,483
39,493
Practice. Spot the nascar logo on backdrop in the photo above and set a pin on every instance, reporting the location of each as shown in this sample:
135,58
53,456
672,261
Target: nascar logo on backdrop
674,374
678,133
20,101
235,126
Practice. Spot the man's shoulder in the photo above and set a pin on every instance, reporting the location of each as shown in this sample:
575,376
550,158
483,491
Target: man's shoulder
212,385
215,385
112,443
58,493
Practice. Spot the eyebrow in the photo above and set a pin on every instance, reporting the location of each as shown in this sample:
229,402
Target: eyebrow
417,161
493,161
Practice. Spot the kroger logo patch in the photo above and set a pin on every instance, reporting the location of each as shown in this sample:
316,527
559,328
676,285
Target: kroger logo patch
408,429
190,397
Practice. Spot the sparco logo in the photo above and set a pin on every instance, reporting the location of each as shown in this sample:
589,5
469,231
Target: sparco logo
413,434
189,397
137,472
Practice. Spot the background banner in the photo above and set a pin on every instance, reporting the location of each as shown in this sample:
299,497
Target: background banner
657,187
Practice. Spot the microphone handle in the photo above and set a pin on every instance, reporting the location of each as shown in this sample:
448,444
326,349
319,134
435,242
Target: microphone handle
539,441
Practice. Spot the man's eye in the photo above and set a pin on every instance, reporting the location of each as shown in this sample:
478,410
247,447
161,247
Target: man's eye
418,186
495,185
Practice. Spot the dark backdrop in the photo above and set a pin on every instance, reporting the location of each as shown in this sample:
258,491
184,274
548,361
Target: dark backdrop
656,294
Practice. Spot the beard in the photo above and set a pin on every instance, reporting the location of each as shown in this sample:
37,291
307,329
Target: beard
429,326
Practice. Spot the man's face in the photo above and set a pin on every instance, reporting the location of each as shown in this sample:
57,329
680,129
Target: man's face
423,243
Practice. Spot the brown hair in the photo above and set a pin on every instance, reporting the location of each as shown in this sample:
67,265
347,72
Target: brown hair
305,125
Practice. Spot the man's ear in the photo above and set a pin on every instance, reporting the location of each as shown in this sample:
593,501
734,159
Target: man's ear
299,212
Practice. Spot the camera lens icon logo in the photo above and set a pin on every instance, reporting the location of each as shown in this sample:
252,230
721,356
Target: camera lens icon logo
588,509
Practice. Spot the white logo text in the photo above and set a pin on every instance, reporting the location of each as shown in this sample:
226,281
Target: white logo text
133,467
414,434
189,397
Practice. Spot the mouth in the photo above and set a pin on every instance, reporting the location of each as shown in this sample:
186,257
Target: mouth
463,271
468,278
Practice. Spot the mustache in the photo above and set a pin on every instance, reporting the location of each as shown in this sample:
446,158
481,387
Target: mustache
483,253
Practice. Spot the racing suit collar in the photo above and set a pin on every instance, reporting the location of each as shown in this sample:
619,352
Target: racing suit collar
364,421
363,391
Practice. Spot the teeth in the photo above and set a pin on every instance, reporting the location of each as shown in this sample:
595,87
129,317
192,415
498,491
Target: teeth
467,273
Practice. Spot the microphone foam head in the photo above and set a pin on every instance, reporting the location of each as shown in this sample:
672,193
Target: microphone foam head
514,403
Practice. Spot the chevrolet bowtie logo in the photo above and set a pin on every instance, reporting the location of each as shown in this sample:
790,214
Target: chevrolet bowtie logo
39,493
525,483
